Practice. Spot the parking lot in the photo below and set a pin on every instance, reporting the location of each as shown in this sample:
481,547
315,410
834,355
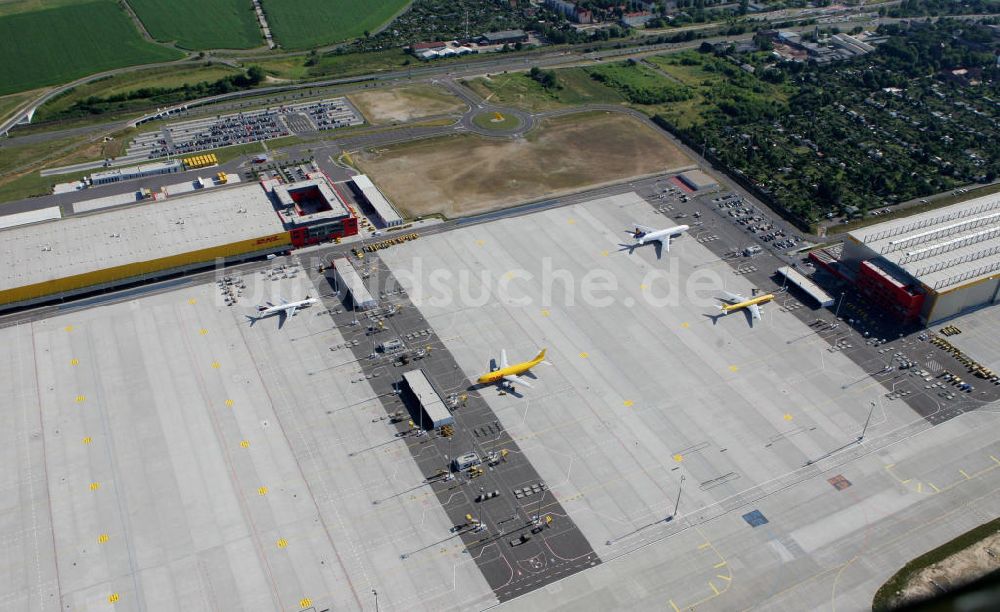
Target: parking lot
252,126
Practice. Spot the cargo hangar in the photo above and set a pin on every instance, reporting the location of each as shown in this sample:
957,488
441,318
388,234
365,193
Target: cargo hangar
927,267
80,254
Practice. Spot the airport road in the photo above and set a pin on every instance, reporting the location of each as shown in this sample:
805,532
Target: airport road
517,546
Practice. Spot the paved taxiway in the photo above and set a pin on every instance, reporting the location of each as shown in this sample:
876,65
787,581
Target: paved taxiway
162,454
643,394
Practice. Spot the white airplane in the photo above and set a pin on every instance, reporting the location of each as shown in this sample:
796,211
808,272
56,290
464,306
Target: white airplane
644,235
283,310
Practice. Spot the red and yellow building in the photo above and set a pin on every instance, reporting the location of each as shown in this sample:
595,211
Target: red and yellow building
86,253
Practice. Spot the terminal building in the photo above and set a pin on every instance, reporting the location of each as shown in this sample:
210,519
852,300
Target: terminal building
931,266
85,253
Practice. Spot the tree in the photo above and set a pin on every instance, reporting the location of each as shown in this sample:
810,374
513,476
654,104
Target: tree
255,75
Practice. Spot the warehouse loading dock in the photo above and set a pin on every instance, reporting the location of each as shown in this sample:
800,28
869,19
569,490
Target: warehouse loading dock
433,413
349,280
86,253
930,266
822,298
385,214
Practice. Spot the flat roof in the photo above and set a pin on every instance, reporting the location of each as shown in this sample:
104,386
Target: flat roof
803,282
337,210
429,399
85,243
378,201
944,248
30,216
151,167
355,285
503,34
698,179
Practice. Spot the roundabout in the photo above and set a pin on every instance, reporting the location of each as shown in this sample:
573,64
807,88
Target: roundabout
497,121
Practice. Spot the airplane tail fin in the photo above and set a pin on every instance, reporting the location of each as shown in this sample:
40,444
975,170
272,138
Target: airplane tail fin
539,357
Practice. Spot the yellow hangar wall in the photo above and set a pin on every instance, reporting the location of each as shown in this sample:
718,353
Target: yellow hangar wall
137,269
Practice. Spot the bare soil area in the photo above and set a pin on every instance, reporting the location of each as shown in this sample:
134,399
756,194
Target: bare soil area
405,103
465,174
951,573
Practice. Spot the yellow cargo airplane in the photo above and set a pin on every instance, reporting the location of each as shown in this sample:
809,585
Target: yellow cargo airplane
735,301
508,374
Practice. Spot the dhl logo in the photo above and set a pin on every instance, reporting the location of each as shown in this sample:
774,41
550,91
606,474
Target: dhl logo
268,239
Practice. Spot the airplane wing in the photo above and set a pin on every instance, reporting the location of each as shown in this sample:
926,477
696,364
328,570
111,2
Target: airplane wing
503,358
658,245
517,380
282,300
291,311
733,298
754,311
644,228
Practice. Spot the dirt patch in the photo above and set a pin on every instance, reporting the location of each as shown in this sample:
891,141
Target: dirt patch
951,573
466,174
405,103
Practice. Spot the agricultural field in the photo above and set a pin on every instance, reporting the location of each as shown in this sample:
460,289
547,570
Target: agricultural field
58,45
405,103
463,174
574,87
14,7
196,24
301,24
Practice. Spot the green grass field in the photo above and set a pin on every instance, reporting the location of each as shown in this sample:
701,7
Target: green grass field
488,121
300,24
11,102
519,90
61,44
703,74
640,84
199,24
163,76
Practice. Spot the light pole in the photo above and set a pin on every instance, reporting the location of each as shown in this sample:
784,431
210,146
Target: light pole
839,302
676,503
375,593
867,421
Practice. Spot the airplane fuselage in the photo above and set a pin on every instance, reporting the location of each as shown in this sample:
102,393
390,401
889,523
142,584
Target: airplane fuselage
760,299
272,310
511,370
660,235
